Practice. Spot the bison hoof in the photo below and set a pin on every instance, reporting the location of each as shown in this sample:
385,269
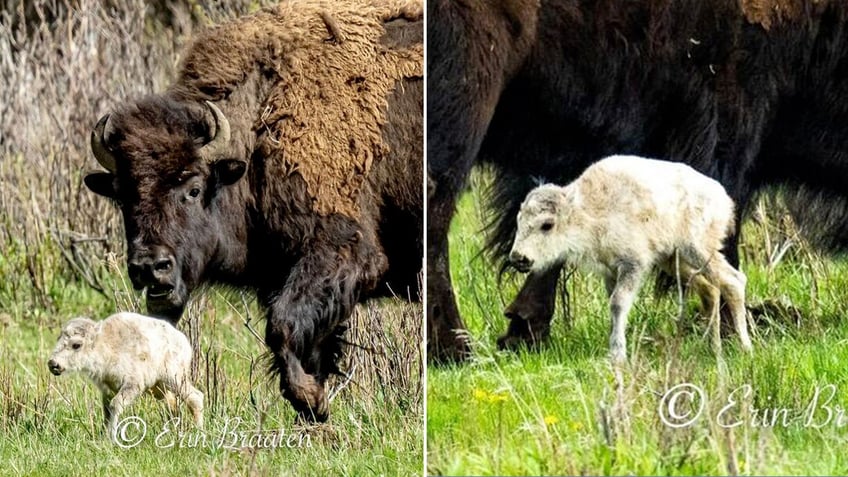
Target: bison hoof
309,400
447,342
510,343
450,349
310,415
521,334
514,343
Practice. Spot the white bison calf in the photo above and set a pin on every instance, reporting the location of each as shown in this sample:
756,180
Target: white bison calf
625,215
125,355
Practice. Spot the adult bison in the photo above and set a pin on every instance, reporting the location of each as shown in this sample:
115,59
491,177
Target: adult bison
287,159
750,92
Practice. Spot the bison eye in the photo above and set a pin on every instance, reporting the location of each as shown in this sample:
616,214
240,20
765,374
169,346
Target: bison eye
76,345
194,192
547,226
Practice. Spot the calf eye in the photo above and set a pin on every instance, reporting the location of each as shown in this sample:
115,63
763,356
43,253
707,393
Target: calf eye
547,226
194,192
76,345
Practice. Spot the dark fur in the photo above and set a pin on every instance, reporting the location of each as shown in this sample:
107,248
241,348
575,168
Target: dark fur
260,230
686,80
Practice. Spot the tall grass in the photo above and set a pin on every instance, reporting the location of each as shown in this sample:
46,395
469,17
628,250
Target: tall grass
565,411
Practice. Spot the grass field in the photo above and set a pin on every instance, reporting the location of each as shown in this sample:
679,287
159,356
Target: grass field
563,411
53,425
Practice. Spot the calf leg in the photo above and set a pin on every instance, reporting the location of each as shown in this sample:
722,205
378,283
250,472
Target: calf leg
123,398
732,283
627,283
161,391
182,387
193,398
710,300
106,399
531,312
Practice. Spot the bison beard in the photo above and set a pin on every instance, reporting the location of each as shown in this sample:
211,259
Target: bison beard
283,162
751,93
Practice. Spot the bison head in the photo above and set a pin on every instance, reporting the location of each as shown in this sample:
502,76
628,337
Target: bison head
170,171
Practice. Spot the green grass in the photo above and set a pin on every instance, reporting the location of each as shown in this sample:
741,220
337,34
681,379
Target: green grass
562,411
53,425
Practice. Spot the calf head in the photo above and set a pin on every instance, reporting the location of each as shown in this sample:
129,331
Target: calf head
72,349
537,244
169,168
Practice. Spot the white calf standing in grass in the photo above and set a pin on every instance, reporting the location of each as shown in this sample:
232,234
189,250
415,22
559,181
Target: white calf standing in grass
125,355
625,215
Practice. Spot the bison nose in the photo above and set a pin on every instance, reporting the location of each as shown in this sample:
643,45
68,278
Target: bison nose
151,269
521,262
54,367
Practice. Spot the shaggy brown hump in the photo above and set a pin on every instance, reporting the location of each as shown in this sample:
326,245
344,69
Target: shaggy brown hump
770,12
327,106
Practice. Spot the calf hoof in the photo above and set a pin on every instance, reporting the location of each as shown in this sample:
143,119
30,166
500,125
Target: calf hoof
521,334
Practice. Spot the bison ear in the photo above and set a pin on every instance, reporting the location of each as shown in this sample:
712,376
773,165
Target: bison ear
229,171
101,183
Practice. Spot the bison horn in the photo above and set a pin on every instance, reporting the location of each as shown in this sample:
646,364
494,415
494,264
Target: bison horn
219,144
98,144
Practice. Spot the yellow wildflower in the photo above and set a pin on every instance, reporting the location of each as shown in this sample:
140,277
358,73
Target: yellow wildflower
498,397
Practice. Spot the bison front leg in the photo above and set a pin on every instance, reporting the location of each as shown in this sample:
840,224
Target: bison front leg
306,320
531,312
445,338
464,87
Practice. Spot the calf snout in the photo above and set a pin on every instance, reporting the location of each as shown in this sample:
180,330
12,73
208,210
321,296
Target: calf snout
154,268
55,367
520,261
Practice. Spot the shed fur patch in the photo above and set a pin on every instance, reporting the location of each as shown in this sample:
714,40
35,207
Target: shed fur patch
772,12
332,77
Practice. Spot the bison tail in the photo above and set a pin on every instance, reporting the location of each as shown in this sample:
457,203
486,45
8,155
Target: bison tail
821,217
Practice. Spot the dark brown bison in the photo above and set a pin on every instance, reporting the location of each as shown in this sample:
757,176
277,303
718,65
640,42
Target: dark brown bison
751,92
287,159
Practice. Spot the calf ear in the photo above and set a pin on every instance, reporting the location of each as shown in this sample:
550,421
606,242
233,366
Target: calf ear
229,171
101,183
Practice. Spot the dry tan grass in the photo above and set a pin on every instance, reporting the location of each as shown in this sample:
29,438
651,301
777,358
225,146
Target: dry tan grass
62,65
